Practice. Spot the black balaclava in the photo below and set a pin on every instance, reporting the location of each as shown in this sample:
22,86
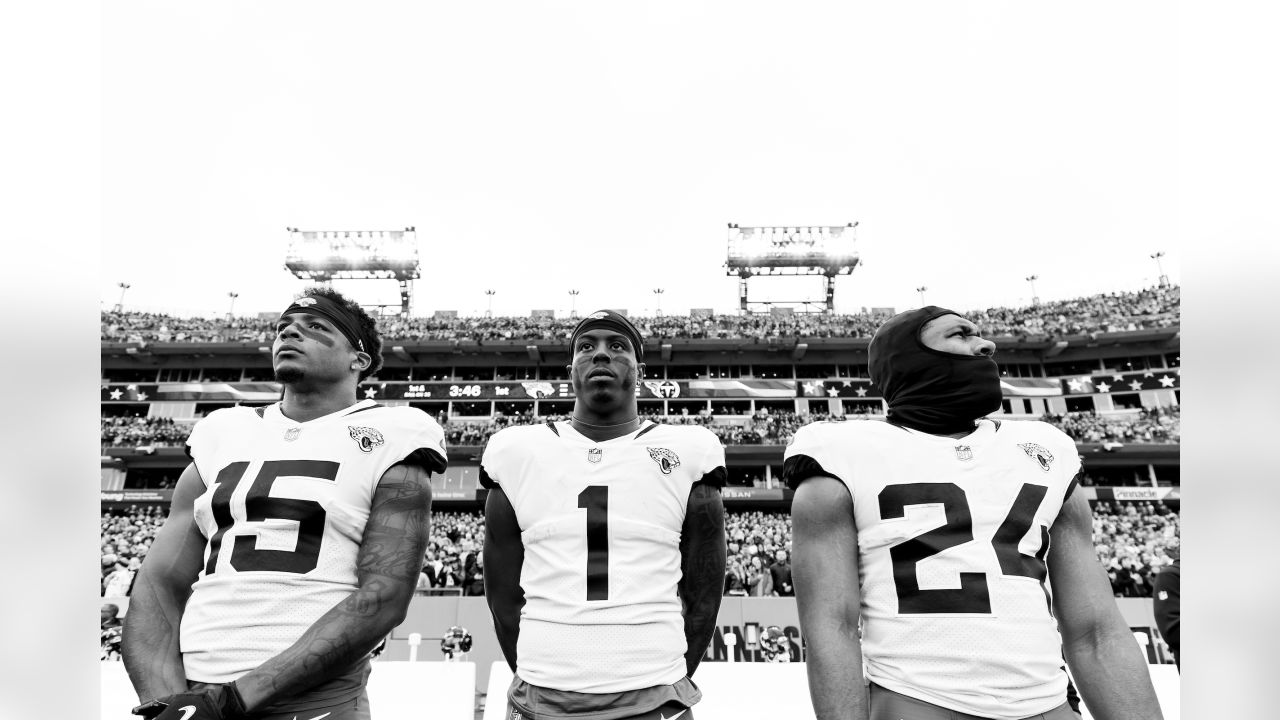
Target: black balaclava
929,390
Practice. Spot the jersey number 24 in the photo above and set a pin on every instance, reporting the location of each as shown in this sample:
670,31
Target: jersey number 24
972,596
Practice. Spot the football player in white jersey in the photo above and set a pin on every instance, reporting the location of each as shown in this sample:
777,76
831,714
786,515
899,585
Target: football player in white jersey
294,540
935,529
604,545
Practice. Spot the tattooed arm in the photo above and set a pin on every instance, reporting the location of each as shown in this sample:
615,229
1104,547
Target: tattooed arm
503,560
387,567
702,564
149,645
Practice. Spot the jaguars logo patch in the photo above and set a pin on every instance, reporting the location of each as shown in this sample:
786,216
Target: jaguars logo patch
366,438
667,460
1039,454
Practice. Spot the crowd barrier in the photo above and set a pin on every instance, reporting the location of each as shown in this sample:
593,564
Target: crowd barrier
445,691
431,617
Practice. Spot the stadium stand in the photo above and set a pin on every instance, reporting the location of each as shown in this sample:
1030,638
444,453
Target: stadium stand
1156,425
1111,312
1133,540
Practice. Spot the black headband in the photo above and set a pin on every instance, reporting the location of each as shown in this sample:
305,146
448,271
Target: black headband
613,321
342,318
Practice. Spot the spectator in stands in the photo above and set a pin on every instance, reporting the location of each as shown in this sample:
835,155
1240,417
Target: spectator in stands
735,579
1167,606
118,582
111,631
473,570
781,575
759,579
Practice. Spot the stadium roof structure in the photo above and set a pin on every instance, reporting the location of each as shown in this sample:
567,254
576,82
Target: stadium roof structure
791,250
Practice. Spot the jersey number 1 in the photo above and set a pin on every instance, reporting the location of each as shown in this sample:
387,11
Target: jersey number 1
595,500
972,596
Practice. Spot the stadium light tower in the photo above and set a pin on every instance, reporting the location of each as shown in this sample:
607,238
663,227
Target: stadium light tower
1035,300
573,304
657,293
326,255
921,290
1164,279
123,286
792,250
490,293
231,310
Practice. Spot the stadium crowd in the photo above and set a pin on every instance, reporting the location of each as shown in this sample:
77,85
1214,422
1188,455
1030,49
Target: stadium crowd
142,431
1149,425
126,535
1134,540
1108,312
1154,425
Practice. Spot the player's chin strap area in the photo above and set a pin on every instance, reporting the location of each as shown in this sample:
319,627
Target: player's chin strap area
217,702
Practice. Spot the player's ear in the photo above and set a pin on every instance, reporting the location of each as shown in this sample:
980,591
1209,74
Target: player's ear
640,367
362,361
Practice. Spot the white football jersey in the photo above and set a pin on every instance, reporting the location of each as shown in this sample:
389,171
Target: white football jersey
952,536
284,511
600,523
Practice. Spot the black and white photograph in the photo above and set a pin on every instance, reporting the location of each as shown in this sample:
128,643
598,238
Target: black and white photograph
529,361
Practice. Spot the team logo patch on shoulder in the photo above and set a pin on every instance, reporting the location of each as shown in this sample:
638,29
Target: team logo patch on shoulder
366,438
666,459
1039,454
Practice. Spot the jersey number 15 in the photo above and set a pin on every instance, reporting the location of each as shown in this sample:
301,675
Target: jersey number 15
260,505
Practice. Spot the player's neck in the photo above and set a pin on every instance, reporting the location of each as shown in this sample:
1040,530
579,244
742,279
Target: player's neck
302,405
605,426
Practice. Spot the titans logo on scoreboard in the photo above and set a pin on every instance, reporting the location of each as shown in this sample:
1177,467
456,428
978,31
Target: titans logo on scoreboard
667,460
365,437
664,388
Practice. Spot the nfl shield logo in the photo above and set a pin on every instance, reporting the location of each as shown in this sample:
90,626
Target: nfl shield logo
964,452
594,455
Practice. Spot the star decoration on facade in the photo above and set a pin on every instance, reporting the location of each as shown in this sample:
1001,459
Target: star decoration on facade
1166,381
814,388
847,383
1136,384
1118,378
370,392
142,396
1148,374
115,394
1103,387
860,392
1076,385
833,392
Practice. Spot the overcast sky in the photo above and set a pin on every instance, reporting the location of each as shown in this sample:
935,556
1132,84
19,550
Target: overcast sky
543,147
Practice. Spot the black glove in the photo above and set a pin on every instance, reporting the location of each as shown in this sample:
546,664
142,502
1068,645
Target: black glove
219,702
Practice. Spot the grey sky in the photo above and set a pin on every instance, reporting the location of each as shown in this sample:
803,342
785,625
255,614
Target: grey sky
542,148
